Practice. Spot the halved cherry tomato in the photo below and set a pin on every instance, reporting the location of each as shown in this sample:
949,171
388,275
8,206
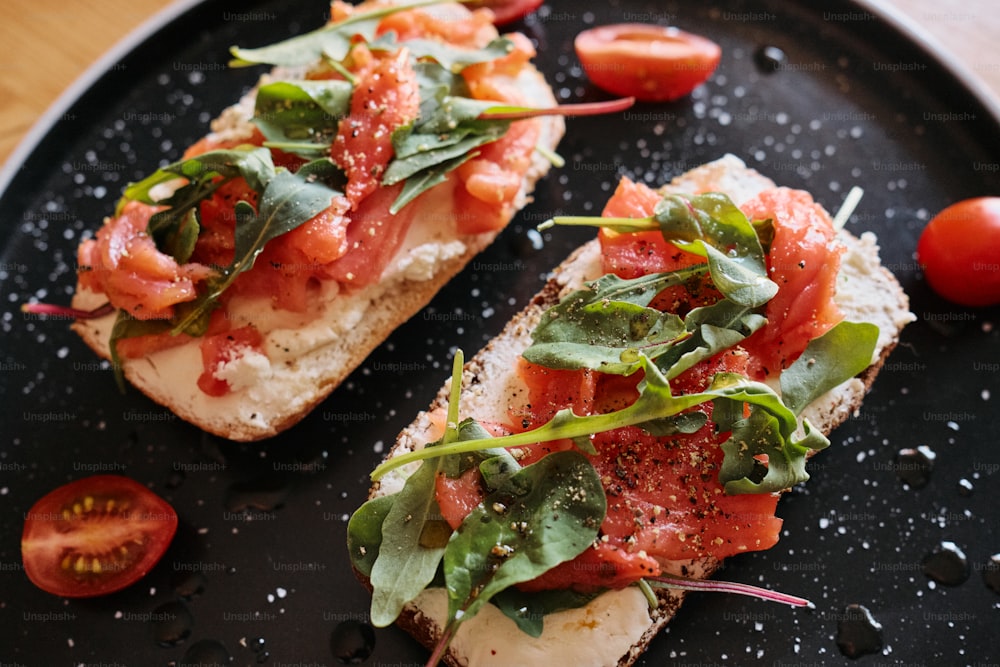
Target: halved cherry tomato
649,62
95,536
959,251
506,11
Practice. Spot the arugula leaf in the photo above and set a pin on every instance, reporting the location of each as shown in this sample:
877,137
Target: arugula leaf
605,337
604,326
364,533
287,201
759,435
711,226
302,116
175,228
445,134
836,356
252,163
425,180
713,328
528,610
332,40
176,235
435,150
654,404
545,514
405,565
452,59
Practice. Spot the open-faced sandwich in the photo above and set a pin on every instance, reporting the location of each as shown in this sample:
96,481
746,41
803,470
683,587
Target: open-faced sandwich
631,428
240,285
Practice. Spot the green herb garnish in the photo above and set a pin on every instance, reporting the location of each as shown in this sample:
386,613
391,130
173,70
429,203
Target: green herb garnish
285,201
609,327
532,519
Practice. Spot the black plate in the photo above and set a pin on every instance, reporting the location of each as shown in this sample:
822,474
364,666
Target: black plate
855,102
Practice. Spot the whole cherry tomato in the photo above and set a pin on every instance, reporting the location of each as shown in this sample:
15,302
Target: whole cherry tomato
959,251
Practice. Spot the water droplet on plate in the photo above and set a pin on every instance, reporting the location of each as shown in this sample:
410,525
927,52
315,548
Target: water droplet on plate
946,564
264,495
769,58
205,653
352,642
188,583
172,623
991,573
858,632
965,487
914,466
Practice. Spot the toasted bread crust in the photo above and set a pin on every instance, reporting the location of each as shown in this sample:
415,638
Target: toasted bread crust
866,292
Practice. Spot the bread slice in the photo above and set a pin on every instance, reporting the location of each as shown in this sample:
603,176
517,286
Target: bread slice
616,627
310,355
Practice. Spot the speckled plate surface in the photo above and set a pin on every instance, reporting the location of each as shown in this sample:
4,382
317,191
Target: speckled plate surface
259,565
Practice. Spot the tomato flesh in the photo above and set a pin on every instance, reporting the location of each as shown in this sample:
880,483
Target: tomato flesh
649,62
804,261
221,348
507,11
959,251
123,262
665,501
386,97
95,535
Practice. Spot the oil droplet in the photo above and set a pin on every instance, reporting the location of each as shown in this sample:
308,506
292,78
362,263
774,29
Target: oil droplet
172,623
352,642
769,58
991,573
914,466
946,564
858,632
205,653
965,488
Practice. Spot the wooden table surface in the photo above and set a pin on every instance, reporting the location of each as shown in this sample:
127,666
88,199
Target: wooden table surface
47,44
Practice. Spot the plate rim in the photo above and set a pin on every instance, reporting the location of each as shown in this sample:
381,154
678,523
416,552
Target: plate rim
84,82
176,10
909,28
